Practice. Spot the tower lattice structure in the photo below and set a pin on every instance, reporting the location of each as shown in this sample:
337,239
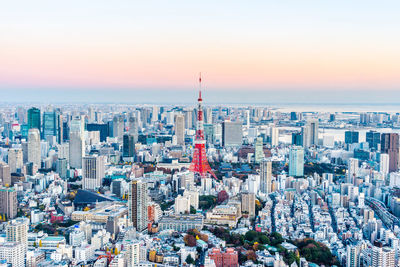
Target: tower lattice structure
199,163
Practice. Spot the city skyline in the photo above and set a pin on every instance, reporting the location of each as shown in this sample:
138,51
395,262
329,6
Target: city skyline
75,48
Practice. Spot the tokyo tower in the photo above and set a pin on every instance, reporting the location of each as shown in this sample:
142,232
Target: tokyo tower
199,163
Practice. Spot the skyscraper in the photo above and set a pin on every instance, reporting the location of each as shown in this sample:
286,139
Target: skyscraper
351,137
180,129
274,135
259,150
266,176
352,170
133,125
34,147
232,133
5,174
76,143
34,118
52,125
249,204
353,256
118,127
373,139
137,204
15,159
390,145
384,164
92,172
8,202
128,147
296,161
310,133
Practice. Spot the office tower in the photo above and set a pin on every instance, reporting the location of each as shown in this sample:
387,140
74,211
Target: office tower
137,204
373,139
52,125
208,116
118,127
249,204
93,172
5,174
91,115
182,204
76,143
390,145
259,150
154,114
15,159
352,168
98,127
34,147
209,133
274,136
13,253
217,138
232,133
296,161
133,125
353,256
293,116
128,147
62,167
332,117
199,163
132,252
193,196
310,133
8,202
351,137
180,129
297,139
384,164
188,119
265,176
34,118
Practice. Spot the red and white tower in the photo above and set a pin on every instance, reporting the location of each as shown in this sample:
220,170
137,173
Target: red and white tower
199,163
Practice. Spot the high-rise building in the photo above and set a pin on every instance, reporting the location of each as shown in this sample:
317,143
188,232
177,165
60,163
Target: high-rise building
384,164
259,150
274,136
353,256
352,168
128,147
232,133
310,133
93,172
297,139
76,143
180,129
62,167
373,138
99,127
8,202
52,125
5,174
296,161
266,176
390,145
34,147
118,126
137,204
383,257
34,118
15,159
182,204
13,253
351,137
17,231
133,126
132,252
249,204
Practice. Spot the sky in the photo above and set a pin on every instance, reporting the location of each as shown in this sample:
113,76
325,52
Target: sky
99,50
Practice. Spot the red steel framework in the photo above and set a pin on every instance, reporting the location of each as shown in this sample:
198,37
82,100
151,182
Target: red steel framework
199,163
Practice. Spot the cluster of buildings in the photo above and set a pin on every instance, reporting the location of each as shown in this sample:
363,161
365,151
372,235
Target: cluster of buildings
108,185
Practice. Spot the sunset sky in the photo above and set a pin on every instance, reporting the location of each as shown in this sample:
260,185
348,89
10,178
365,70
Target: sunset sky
85,46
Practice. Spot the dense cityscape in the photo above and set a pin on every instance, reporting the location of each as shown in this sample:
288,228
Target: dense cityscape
197,185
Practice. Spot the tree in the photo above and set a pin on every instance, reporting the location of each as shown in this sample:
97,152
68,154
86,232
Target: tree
222,196
190,240
189,259
192,210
